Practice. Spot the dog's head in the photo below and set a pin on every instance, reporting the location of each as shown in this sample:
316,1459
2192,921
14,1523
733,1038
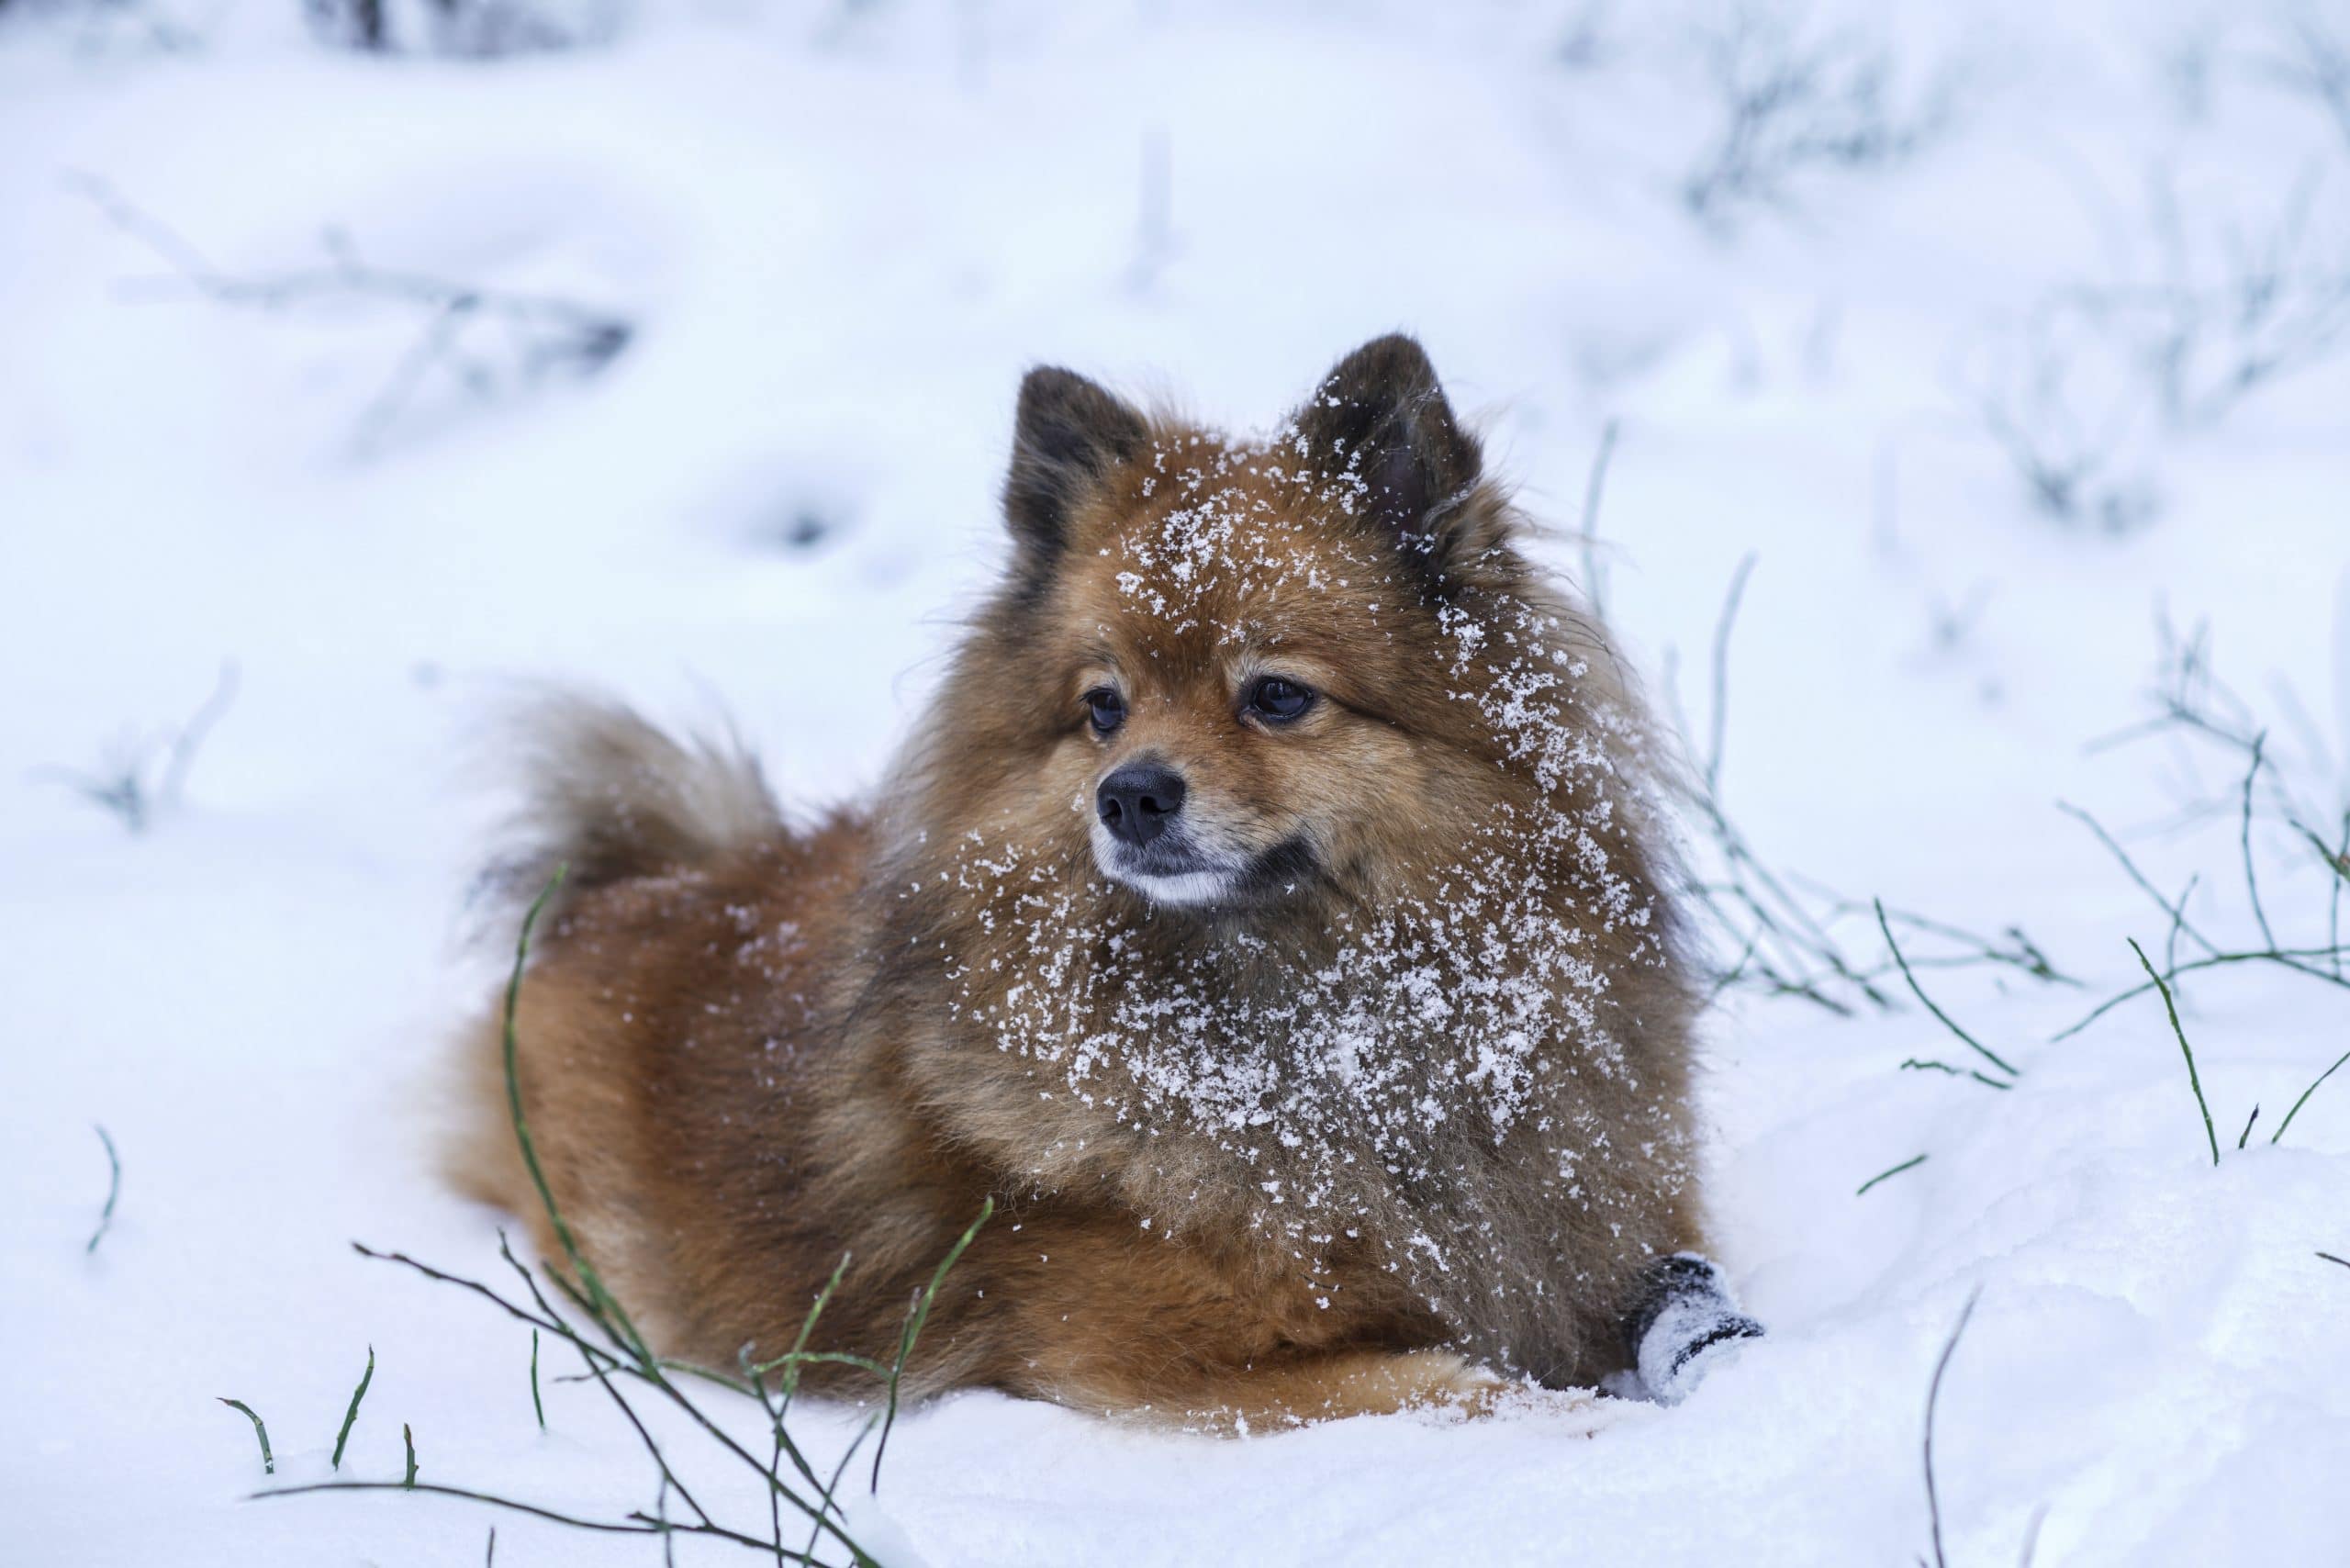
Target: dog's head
1248,672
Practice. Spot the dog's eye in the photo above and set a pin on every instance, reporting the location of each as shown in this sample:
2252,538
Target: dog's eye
1105,709
1278,700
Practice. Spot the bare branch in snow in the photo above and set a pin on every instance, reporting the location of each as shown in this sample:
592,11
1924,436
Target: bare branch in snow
465,30
489,341
140,777
2313,60
2068,415
1792,104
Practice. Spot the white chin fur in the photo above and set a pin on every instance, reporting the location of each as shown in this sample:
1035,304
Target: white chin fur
1182,890
1189,888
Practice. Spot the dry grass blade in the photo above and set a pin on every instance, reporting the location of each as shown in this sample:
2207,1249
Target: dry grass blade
1595,579
591,1284
2304,1100
1933,1399
2251,877
351,1416
1906,1165
1986,1052
914,1322
634,1526
1722,669
113,1191
1928,1064
621,1356
2193,1079
260,1434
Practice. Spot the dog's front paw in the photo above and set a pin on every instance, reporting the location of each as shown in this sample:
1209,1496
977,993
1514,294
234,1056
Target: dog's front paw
1684,1325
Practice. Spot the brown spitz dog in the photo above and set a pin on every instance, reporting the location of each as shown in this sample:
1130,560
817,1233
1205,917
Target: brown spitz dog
1271,915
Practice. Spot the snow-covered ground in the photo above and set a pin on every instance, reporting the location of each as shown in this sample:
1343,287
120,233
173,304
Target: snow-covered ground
838,234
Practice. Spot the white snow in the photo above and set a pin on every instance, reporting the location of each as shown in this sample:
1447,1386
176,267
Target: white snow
840,233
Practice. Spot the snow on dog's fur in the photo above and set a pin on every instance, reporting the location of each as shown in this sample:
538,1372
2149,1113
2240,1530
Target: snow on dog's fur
1270,914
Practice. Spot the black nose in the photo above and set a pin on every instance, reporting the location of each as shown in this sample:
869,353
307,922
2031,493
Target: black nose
1137,801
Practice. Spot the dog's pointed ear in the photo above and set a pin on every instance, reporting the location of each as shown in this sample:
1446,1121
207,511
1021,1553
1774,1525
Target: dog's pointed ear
1068,437
1380,418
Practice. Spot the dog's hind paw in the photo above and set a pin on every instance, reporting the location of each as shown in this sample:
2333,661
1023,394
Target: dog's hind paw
1684,1325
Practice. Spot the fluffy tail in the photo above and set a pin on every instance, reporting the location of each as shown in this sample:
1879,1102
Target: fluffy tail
609,796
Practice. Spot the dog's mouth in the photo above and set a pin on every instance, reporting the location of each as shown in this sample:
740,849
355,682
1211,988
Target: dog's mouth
1177,873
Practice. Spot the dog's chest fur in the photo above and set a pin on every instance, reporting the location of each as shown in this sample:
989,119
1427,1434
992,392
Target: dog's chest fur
1459,1091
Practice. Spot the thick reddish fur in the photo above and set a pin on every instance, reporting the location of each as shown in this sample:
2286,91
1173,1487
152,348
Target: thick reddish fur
747,1050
